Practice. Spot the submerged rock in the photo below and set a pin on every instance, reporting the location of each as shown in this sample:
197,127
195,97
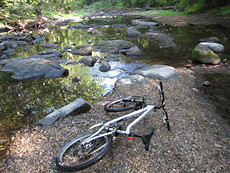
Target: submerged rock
133,32
83,50
120,44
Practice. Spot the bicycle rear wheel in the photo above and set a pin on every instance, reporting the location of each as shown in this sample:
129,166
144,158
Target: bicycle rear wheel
73,156
124,104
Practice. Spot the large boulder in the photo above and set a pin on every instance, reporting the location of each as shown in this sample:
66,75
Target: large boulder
161,72
215,47
76,107
31,68
205,55
133,80
120,44
83,50
47,54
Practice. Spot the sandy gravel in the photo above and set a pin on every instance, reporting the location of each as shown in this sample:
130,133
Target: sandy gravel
198,141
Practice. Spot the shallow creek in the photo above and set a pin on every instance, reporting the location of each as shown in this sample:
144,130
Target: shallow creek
24,102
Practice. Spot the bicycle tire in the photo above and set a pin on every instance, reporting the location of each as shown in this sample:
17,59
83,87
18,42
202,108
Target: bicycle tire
69,167
110,108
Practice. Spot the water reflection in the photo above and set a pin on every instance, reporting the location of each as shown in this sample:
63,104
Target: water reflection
219,93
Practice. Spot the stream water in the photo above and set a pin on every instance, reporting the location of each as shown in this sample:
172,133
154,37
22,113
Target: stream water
24,102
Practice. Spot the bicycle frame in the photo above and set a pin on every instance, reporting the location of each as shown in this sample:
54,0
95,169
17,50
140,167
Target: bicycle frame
109,125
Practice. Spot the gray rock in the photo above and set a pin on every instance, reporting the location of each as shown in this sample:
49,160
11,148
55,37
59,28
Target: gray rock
83,50
210,39
80,26
120,44
31,68
104,67
5,37
27,38
88,60
4,57
143,23
38,40
204,55
2,47
206,83
161,72
133,51
215,47
9,52
133,80
76,107
133,32
49,46
46,54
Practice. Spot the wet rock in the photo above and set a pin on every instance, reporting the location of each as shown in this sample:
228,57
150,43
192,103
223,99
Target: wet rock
27,38
4,57
67,48
133,80
83,50
165,40
76,79
31,68
5,37
144,23
104,67
2,47
49,46
204,55
206,83
210,39
9,52
38,40
161,72
88,60
120,44
215,47
80,26
46,54
76,107
134,51
133,32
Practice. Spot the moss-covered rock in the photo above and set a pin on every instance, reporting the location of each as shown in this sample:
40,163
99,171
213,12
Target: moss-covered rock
205,55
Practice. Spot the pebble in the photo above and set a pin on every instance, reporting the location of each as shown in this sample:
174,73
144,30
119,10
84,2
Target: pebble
206,83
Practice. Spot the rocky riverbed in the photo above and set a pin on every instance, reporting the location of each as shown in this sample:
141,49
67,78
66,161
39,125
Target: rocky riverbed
199,139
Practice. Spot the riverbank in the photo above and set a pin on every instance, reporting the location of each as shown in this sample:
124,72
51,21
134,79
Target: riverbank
198,140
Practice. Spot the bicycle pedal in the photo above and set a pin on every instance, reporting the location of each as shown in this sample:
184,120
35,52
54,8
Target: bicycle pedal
130,138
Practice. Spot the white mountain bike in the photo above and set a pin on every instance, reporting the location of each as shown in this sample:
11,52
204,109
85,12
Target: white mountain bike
88,149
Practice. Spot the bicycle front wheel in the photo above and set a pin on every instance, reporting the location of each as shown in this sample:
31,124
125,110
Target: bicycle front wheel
120,105
74,156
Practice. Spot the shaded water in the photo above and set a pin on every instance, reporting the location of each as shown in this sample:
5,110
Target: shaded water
24,102
219,93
